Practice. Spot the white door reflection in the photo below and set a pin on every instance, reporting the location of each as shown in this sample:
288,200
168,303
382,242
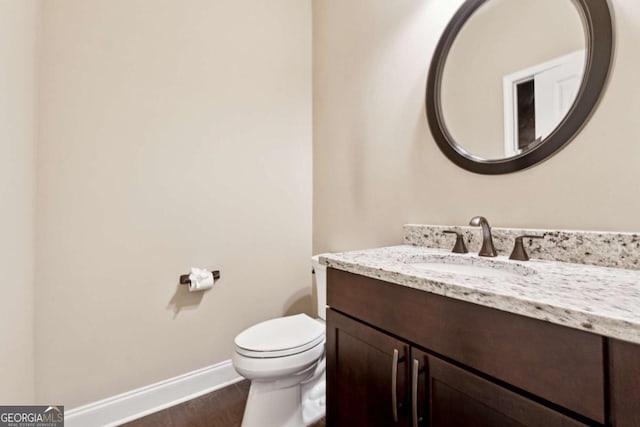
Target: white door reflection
538,98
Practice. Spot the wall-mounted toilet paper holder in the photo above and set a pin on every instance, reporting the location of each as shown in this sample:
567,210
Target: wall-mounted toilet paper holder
184,279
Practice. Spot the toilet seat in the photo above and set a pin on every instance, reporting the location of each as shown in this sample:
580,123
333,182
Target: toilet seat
272,368
280,353
281,337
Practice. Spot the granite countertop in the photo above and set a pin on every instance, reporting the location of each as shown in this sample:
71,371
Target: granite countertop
601,300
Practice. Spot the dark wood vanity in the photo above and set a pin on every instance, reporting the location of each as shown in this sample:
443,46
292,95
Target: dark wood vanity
398,356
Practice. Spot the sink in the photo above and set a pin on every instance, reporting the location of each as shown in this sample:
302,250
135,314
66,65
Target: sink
467,270
470,266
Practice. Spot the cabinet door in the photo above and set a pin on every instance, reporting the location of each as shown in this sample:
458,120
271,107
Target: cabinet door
444,395
624,359
366,375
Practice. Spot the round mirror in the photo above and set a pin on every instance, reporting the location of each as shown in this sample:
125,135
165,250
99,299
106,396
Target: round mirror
512,81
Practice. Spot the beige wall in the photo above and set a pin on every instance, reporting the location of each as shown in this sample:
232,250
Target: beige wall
173,134
18,119
501,38
377,167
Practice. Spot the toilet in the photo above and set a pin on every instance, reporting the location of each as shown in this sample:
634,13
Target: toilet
284,359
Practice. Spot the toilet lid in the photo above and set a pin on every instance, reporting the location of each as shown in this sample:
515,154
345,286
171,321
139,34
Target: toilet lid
280,337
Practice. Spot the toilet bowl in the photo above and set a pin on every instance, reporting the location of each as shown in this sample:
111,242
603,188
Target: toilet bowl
284,360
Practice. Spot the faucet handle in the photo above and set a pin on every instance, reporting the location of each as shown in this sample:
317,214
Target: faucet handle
519,253
459,247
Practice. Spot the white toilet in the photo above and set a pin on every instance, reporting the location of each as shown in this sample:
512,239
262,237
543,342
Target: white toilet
285,361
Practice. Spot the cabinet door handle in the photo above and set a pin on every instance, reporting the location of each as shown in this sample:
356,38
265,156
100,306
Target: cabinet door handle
394,385
414,392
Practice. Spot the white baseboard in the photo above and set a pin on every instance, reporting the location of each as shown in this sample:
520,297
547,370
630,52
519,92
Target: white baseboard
134,404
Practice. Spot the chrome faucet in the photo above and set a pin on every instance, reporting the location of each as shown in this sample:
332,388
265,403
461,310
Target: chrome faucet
487,241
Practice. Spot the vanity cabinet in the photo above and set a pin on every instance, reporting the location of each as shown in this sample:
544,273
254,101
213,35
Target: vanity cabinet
459,363
377,380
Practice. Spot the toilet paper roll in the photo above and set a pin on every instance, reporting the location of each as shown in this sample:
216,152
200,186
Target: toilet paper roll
200,280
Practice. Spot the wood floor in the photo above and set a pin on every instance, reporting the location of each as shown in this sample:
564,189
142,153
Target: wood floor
222,408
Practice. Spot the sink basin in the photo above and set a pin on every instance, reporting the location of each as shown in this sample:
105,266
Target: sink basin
471,266
467,270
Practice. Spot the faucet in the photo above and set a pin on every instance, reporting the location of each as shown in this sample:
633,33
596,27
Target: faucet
487,241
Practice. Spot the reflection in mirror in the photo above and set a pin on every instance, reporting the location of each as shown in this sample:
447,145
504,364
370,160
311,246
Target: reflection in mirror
512,75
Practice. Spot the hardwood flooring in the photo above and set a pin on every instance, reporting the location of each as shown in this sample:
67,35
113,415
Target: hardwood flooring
222,408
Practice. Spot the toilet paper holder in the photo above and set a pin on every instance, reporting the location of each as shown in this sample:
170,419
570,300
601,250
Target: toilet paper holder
184,279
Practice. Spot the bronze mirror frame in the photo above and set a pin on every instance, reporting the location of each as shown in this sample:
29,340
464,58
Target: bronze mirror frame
598,27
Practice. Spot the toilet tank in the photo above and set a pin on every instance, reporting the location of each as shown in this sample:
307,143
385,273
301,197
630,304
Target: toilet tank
321,286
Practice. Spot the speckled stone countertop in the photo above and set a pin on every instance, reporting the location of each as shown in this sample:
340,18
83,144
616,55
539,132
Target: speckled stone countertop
601,300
